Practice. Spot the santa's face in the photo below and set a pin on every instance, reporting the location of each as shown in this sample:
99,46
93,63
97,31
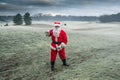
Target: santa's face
57,27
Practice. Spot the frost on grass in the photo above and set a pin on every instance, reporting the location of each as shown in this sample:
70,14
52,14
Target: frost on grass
93,52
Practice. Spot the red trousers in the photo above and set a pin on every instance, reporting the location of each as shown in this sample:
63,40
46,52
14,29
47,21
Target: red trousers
54,53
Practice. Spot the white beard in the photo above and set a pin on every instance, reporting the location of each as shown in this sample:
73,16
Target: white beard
56,32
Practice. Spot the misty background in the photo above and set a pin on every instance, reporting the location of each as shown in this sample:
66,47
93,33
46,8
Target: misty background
78,10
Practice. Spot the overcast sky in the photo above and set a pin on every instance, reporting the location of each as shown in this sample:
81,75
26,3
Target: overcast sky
64,7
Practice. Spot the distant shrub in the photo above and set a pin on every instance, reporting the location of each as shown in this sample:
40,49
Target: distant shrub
27,18
18,19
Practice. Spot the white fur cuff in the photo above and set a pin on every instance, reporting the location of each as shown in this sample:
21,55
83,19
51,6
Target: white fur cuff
52,47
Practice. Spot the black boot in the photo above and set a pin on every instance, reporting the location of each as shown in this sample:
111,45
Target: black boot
52,66
64,62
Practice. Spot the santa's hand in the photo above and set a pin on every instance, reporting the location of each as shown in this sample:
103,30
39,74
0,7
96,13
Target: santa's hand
47,33
59,48
63,45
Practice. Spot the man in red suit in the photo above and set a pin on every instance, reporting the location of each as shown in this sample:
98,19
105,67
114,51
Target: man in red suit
59,41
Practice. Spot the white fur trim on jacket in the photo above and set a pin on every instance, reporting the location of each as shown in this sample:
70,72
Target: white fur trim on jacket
52,47
63,45
56,32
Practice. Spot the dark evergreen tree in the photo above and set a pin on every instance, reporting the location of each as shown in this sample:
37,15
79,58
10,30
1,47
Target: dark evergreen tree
27,18
18,19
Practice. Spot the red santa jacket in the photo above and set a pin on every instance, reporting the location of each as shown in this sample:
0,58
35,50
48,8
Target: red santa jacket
58,36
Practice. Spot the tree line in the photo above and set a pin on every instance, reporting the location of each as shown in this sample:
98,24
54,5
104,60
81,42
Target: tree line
64,18
110,18
18,19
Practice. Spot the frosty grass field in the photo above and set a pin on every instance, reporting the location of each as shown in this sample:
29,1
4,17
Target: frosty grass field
93,52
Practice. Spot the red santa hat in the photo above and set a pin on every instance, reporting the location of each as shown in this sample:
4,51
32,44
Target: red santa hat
56,23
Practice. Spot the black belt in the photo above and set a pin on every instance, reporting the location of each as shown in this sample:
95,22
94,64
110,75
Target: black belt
56,42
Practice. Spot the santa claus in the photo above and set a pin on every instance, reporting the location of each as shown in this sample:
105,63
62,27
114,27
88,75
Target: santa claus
59,42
